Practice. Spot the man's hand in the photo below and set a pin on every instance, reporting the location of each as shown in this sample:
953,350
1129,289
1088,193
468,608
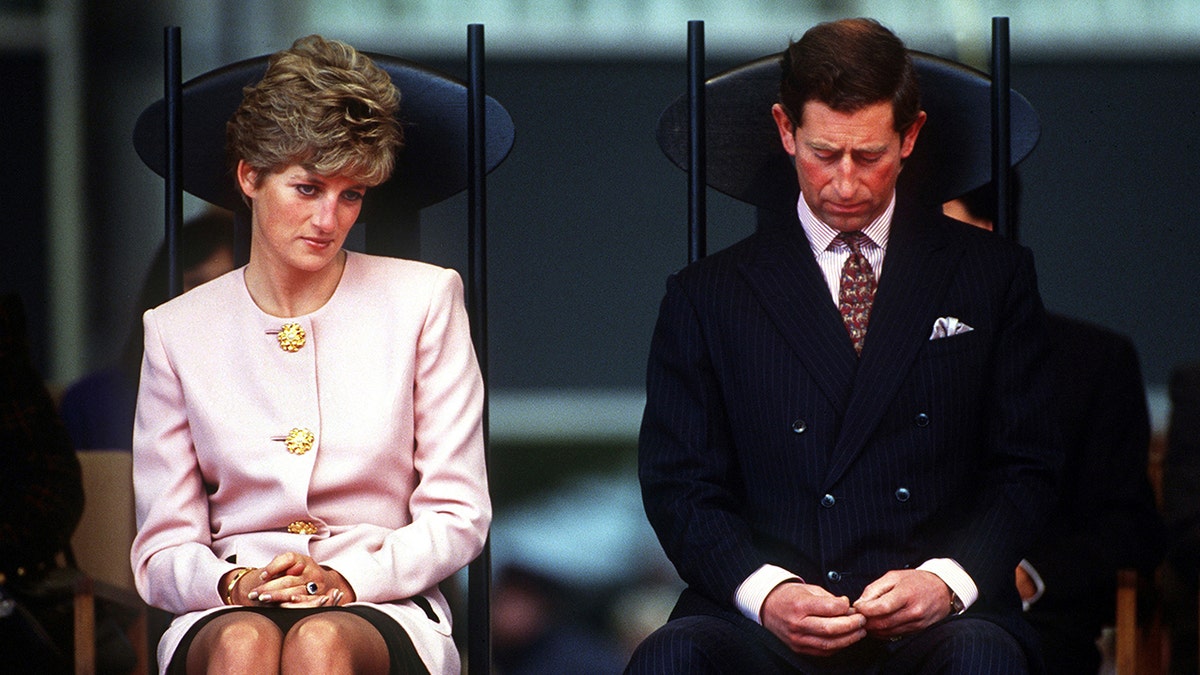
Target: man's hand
811,620
903,602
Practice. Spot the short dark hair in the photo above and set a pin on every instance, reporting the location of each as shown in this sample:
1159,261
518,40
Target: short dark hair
848,65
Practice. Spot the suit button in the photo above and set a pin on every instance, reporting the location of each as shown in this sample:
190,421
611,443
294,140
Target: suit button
921,420
828,501
833,575
298,441
301,527
902,495
799,426
291,337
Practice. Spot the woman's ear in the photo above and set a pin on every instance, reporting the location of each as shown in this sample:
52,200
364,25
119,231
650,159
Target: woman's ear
247,178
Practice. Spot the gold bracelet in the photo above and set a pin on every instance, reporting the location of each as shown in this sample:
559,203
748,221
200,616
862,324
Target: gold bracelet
237,576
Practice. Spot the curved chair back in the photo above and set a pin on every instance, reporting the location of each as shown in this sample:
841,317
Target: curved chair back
431,168
747,162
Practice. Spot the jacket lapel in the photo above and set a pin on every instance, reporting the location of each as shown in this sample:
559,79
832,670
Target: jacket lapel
788,283
917,271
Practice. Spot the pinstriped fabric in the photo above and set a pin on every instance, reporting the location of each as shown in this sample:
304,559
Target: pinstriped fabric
963,646
766,440
702,645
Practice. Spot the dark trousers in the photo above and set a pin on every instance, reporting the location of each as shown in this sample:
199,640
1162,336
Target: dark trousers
698,645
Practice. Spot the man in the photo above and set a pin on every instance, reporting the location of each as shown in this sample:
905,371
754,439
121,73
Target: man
835,501
1105,518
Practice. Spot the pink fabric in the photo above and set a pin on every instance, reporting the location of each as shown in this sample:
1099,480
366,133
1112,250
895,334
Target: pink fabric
388,384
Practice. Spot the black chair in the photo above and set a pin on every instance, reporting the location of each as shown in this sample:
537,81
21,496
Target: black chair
747,162
454,136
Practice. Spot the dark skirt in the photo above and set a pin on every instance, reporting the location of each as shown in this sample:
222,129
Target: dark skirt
402,654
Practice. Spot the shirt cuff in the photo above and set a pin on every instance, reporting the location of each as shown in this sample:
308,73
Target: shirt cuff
955,577
1039,585
751,593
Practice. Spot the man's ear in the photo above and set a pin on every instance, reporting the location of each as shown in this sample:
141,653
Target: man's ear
909,139
787,130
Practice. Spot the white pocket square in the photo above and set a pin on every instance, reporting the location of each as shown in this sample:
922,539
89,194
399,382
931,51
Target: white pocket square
948,326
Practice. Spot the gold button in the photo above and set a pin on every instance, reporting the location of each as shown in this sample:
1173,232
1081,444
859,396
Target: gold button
302,527
291,337
299,441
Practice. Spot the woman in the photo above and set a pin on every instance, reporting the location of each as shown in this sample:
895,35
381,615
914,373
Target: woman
308,453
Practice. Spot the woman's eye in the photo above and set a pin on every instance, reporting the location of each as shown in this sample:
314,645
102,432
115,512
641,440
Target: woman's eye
306,190
352,196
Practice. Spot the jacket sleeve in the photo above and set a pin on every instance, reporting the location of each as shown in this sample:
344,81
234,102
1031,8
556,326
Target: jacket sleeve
685,458
174,566
451,511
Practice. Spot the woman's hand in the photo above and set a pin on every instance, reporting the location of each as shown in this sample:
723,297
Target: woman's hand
295,580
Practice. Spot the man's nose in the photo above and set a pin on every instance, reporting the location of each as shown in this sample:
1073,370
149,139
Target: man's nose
845,179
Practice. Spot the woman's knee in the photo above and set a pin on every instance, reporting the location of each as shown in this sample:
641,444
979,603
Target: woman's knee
233,641
333,641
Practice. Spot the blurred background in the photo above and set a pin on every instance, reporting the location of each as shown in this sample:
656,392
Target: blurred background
587,217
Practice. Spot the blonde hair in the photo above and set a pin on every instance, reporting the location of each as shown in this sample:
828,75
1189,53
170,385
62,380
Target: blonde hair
322,105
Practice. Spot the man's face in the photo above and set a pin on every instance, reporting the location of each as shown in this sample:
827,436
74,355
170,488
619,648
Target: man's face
847,163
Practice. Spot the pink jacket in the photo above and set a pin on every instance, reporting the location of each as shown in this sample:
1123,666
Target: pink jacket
395,485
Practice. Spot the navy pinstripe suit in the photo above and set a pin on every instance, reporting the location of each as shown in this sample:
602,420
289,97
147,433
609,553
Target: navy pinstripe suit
766,440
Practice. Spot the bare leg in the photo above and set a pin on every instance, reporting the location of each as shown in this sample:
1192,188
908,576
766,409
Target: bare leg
334,642
236,642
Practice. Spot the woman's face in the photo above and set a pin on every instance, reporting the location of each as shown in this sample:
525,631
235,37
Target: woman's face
299,219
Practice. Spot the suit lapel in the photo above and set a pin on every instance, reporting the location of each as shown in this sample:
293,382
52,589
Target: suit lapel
917,271
788,283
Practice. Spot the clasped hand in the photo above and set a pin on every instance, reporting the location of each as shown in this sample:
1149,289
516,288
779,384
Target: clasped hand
810,620
292,580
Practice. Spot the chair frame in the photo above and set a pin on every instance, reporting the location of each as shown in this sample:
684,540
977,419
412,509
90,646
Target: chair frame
88,586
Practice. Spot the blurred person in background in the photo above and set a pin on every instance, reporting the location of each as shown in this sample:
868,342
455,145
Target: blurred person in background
41,500
1181,506
536,629
1106,518
98,408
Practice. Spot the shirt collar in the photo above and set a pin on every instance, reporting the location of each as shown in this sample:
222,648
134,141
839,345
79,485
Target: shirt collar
821,235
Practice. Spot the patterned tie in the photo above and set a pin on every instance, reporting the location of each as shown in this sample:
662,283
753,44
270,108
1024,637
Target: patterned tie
857,290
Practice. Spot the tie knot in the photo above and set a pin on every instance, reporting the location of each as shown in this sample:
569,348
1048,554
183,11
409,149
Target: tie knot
853,240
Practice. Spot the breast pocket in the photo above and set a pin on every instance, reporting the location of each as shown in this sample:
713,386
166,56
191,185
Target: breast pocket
954,344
